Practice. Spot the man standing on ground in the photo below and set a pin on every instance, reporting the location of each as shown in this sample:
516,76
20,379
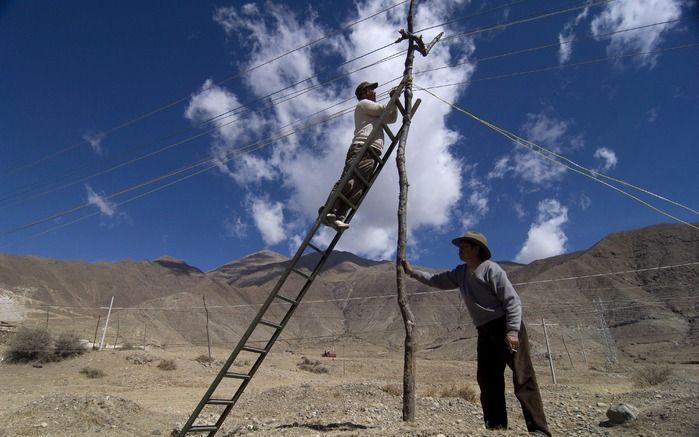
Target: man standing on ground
496,310
366,116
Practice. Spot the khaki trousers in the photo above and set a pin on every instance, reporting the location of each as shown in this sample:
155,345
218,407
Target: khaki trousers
354,188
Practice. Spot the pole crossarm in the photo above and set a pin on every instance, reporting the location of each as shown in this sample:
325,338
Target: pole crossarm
419,43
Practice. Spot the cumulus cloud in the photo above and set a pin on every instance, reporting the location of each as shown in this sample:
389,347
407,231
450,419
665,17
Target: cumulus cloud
565,48
233,132
269,219
106,207
624,14
545,237
94,139
300,170
546,131
608,158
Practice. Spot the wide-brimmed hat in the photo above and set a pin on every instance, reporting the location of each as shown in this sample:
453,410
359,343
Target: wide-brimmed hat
473,237
364,85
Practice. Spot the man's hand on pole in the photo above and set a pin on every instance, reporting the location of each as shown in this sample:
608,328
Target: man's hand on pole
407,268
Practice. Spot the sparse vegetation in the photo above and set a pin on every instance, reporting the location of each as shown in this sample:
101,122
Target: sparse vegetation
92,373
312,366
651,375
167,365
139,358
465,392
30,344
392,389
68,345
127,346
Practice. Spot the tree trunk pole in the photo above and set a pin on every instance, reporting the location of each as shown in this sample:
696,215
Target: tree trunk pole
406,312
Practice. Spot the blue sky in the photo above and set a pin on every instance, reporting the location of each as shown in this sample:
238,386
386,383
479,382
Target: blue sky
102,97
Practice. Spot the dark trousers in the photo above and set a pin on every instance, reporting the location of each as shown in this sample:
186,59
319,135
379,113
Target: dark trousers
354,188
493,355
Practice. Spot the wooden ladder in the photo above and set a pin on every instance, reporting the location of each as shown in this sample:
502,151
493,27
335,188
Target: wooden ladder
265,319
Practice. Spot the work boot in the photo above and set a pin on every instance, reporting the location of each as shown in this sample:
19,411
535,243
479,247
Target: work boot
340,224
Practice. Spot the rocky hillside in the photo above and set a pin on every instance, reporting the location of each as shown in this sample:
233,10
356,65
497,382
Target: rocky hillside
650,309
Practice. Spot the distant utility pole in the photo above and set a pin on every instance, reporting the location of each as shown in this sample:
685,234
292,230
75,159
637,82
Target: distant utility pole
548,346
414,43
208,339
106,323
582,346
600,311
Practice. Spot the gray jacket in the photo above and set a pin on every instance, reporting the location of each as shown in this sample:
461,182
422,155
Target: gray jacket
487,292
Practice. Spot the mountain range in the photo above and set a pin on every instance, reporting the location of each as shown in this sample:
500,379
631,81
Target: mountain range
641,284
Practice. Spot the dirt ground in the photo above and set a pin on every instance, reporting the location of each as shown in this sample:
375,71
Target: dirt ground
359,395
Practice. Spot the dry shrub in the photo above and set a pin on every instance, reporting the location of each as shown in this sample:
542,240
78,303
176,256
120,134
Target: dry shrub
139,358
204,359
312,366
68,345
393,389
92,373
464,392
167,365
651,375
30,344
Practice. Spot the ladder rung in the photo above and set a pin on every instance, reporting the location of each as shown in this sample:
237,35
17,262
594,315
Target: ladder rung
388,132
300,273
360,177
270,324
347,201
374,153
202,428
316,248
237,375
254,349
215,401
286,299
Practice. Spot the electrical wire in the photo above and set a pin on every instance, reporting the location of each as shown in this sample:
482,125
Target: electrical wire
547,154
221,82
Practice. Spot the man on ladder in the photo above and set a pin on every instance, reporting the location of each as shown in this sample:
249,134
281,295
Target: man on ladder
366,115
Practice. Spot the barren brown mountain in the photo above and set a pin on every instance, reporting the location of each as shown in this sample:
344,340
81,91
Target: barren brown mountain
641,284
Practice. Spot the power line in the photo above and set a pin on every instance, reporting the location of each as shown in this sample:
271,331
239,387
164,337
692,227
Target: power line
547,154
297,93
228,79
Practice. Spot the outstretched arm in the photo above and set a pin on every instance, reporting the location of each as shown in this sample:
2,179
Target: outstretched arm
445,280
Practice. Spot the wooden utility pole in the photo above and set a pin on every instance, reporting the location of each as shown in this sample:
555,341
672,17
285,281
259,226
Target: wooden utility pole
208,339
548,346
97,327
414,42
106,323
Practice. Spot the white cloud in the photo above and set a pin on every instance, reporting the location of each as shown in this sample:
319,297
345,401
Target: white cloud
565,48
232,133
545,131
236,228
652,115
106,207
300,170
269,219
624,14
608,158
545,237
476,200
95,141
